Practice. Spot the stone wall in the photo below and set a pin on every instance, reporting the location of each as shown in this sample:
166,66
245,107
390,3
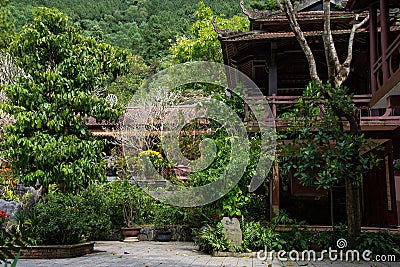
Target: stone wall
10,207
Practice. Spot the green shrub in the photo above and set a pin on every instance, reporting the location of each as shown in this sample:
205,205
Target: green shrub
69,219
257,209
381,243
94,209
130,205
256,237
196,217
168,215
57,220
212,239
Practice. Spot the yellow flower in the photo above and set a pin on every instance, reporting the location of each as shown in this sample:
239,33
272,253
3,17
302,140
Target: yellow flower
150,152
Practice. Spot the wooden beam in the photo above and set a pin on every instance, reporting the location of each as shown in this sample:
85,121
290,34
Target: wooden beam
373,45
273,71
385,28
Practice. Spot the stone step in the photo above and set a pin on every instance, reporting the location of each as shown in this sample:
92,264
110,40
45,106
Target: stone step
131,239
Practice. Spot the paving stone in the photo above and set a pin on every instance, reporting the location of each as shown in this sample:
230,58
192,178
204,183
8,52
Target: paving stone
181,254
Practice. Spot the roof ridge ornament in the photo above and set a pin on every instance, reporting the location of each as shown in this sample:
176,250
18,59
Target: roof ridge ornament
225,32
257,14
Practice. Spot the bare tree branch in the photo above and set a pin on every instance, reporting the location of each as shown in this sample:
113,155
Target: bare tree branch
345,68
330,49
287,7
9,71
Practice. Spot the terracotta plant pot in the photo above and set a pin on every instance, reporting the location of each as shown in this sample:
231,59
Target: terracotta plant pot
130,231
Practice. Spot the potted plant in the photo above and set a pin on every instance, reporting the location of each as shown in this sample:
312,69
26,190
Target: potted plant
129,199
165,218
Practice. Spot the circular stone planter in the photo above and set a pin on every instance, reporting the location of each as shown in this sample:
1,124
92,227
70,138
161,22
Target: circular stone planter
56,251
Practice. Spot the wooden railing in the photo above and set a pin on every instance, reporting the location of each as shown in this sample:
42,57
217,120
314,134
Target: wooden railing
393,62
275,102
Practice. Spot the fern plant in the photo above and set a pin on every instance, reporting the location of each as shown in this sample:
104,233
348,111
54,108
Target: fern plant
212,239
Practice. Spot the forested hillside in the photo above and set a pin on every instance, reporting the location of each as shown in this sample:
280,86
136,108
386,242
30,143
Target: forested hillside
146,27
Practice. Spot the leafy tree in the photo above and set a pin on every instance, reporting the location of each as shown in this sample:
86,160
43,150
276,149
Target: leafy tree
338,73
264,5
321,152
125,86
6,23
203,43
49,140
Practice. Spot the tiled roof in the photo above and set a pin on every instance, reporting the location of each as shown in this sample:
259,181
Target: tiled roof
305,16
91,121
258,35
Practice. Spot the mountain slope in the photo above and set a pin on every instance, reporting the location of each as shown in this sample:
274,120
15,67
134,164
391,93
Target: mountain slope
146,27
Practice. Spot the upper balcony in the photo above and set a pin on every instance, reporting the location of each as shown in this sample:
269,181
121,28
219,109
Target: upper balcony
384,50
368,121
388,84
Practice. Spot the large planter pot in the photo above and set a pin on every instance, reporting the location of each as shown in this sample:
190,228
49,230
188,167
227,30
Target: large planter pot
164,236
130,231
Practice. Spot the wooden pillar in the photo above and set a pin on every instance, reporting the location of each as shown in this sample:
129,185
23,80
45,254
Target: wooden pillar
274,191
384,16
373,51
273,71
396,155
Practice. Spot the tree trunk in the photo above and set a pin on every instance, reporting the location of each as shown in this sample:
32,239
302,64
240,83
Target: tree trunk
353,210
332,207
352,185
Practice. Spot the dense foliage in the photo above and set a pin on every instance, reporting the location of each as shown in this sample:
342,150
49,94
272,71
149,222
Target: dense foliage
285,233
99,211
146,27
49,141
7,26
326,149
202,43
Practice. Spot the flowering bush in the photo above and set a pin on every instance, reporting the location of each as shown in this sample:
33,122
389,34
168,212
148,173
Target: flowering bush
3,217
3,214
155,161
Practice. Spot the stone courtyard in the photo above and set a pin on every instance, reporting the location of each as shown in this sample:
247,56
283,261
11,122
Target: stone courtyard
149,254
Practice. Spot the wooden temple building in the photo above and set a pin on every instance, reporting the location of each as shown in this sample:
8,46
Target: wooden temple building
270,55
